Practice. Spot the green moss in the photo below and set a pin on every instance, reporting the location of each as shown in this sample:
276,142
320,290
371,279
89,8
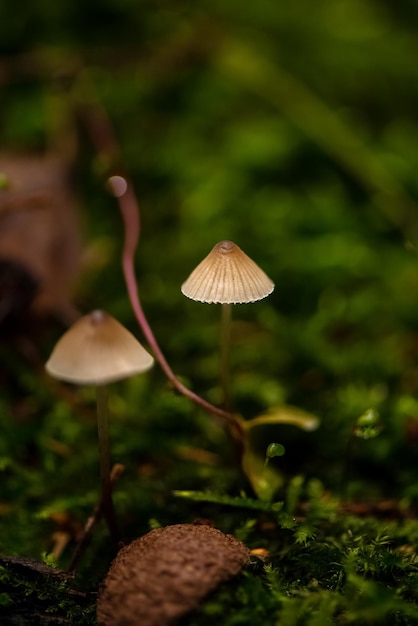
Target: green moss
295,137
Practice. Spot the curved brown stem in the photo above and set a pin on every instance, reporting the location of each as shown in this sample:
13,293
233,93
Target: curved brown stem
130,214
100,129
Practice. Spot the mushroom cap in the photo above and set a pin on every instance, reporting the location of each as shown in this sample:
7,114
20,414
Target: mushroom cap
96,350
227,276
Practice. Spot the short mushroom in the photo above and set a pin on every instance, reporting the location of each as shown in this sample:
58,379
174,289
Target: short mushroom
227,276
97,350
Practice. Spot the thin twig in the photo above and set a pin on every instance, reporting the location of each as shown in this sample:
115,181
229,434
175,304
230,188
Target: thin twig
131,221
100,129
93,520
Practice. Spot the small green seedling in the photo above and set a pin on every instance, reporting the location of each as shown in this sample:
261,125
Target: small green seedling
265,478
273,450
368,425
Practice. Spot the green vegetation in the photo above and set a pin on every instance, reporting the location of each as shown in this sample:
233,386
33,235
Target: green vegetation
291,130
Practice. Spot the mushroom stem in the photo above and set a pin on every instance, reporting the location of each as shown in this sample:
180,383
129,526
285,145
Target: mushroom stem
104,458
225,354
93,520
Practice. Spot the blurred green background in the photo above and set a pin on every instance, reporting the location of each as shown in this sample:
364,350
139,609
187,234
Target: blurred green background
288,128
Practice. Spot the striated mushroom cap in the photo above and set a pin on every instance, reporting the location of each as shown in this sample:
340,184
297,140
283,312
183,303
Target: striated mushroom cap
96,350
227,276
160,577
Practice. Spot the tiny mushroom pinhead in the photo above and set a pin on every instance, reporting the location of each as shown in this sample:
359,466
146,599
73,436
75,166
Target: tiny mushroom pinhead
227,276
97,350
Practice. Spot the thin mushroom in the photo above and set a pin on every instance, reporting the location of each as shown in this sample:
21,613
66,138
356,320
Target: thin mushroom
97,350
227,276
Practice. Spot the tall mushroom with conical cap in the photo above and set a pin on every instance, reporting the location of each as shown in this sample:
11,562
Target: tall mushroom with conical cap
97,350
227,276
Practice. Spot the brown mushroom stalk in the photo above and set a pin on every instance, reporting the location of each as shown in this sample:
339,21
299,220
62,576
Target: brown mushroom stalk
106,501
97,350
227,276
